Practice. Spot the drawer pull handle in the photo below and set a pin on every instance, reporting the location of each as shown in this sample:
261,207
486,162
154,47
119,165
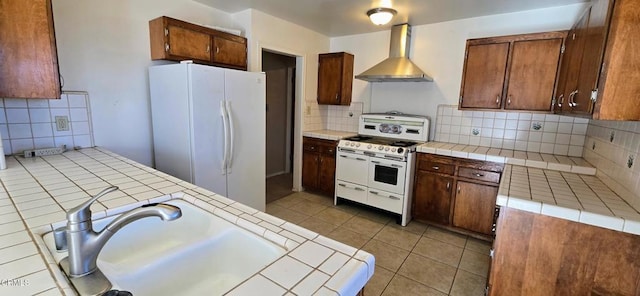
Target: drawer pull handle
396,165
343,156
374,192
361,159
358,189
373,161
436,168
394,197
340,184
479,175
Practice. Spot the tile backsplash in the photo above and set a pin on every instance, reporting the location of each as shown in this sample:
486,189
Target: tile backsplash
31,123
525,131
341,118
613,147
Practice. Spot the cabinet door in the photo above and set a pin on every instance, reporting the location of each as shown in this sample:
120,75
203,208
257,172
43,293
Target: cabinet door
189,44
474,207
310,163
570,66
329,79
483,75
432,197
28,55
595,36
229,52
327,171
534,65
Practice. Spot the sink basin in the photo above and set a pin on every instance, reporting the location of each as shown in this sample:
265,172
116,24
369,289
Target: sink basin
198,254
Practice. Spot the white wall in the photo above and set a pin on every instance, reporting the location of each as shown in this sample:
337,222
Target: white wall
103,48
438,49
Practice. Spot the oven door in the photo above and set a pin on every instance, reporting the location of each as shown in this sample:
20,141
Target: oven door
387,175
352,167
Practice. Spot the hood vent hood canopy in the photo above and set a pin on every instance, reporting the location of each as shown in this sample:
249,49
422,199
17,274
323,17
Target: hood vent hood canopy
397,67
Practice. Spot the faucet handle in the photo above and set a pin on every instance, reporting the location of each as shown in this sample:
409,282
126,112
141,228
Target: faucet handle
82,212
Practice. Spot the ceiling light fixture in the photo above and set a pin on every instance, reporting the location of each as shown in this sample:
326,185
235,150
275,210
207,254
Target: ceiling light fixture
381,15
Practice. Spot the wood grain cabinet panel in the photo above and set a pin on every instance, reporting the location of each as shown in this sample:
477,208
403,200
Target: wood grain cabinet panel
176,40
516,72
474,207
319,165
28,53
335,78
538,255
433,197
484,75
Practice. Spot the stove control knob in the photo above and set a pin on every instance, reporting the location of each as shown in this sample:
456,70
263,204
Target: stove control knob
380,147
386,148
393,149
400,150
353,144
346,143
357,144
369,146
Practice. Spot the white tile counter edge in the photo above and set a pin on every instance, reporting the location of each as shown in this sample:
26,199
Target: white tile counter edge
343,271
328,134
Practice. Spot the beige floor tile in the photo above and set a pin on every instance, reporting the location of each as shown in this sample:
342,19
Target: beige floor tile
397,237
319,199
475,263
379,281
468,284
291,216
333,216
428,272
273,208
477,245
344,235
307,207
289,200
387,256
402,286
439,251
317,225
446,236
413,226
363,226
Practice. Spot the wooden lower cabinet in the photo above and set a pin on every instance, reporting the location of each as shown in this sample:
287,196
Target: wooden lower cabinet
541,255
319,165
474,207
457,193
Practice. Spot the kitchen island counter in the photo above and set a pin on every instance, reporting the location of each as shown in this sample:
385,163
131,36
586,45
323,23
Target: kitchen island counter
36,192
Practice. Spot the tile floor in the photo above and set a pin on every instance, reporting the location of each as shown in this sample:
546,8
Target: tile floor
413,260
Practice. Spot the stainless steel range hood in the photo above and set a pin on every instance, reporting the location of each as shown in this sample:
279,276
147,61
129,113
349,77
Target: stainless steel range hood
397,67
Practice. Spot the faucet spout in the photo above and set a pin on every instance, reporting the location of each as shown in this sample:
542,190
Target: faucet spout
85,244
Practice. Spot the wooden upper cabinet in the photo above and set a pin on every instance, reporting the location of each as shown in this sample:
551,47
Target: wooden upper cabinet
607,72
28,54
484,74
516,72
532,77
175,40
570,66
335,78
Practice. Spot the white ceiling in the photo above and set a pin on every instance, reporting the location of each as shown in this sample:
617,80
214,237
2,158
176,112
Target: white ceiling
347,17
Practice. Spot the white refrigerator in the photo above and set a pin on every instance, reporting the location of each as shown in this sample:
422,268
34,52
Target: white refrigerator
209,128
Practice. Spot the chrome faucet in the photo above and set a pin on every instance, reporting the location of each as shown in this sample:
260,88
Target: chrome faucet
84,244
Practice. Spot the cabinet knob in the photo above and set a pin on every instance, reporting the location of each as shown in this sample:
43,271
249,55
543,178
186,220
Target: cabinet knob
208,48
448,185
458,189
166,47
435,168
479,175
498,100
337,98
217,49
509,100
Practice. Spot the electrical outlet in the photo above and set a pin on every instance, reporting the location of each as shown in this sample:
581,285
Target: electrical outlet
43,152
62,123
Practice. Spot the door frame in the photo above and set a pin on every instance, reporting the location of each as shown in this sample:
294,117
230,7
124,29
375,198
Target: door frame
299,95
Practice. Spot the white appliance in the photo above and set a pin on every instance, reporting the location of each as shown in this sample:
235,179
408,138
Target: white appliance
376,168
209,128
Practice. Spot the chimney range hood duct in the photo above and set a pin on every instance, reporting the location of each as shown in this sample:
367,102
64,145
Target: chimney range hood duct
397,67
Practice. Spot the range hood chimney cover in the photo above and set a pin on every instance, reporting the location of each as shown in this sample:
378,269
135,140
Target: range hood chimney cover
398,67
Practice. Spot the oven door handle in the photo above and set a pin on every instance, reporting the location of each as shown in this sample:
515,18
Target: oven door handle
389,196
396,165
375,161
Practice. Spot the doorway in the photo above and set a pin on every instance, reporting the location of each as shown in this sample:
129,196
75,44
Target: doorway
280,70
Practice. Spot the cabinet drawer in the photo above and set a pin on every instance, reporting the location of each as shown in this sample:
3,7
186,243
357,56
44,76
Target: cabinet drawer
385,200
328,149
310,147
437,167
351,191
479,175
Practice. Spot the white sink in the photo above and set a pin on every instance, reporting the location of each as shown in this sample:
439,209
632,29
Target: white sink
198,254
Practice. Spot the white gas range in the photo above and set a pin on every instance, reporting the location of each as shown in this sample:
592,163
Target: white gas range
376,168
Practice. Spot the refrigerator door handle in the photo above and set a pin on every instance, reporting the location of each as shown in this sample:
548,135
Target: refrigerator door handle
231,136
225,151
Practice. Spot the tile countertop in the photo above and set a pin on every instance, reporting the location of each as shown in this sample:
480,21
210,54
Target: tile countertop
329,134
36,192
554,185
